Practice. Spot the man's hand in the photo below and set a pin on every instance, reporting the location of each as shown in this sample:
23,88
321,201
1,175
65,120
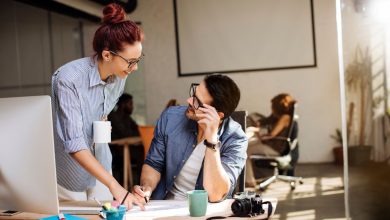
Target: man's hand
142,193
119,194
209,121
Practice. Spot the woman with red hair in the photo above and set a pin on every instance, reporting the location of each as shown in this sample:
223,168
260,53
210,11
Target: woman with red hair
84,91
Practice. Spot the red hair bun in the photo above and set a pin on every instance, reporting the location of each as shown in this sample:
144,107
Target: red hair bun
113,14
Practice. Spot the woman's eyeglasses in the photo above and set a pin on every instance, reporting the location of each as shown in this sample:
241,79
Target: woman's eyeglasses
131,62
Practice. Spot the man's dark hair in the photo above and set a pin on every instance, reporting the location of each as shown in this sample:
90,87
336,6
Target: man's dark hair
224,91
124,99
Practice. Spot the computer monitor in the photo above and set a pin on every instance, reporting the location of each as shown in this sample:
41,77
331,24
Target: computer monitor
27,163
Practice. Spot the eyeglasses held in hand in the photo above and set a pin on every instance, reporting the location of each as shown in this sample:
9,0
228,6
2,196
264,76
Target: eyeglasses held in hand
196,103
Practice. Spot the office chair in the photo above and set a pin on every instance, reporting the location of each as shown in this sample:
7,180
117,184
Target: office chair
146,133
282,162
240,117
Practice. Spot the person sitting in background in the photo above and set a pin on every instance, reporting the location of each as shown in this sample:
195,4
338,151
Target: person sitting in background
277,124
196,146
172,102
124,126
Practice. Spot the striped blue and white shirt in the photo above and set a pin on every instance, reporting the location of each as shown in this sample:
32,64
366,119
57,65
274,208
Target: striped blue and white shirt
79,97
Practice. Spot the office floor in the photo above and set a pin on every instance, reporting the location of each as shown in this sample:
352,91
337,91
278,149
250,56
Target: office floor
322,194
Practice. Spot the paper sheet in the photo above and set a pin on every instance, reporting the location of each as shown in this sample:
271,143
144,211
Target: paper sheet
160,208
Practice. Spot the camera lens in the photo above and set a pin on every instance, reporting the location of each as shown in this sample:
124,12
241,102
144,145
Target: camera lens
241,207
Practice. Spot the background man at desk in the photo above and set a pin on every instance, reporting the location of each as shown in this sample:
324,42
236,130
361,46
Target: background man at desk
123,126
196,147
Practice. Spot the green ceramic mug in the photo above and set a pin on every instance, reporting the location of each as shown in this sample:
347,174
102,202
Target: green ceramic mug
197,202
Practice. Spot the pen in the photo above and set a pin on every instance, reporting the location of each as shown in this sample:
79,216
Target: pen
98,202
125,197
146,197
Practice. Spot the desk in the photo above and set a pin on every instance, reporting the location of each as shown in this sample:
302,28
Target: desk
126,142
165,209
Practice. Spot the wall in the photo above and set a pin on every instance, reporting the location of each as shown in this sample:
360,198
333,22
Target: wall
316,89
35,43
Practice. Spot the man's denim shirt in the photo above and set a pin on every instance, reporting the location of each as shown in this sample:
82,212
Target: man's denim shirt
174,140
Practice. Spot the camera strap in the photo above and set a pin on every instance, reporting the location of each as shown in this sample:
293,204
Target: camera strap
269,212
270,208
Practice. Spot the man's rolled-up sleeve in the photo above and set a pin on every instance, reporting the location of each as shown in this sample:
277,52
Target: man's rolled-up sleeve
233,158
70,117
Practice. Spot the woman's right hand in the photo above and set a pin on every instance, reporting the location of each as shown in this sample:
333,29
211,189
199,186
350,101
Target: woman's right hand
119,194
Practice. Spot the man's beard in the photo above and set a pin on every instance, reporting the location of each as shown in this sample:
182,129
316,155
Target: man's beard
190,113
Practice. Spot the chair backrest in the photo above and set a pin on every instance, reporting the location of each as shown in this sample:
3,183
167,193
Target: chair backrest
146,133
292,138
240,117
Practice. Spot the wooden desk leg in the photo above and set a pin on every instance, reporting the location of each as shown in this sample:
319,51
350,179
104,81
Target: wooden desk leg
126,161
129,168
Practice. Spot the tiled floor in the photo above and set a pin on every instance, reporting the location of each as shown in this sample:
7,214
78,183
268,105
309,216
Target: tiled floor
322,194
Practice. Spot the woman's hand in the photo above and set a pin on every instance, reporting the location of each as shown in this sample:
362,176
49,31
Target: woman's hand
119,194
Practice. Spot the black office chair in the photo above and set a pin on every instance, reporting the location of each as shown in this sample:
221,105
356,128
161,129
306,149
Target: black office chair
240,117
281,163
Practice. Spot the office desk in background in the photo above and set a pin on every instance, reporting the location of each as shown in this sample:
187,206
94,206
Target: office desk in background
166,209
126,143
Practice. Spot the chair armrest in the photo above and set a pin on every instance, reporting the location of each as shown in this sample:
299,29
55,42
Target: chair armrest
293,144
262,157
280,138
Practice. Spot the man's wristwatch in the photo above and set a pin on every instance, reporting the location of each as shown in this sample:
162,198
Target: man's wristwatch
211,145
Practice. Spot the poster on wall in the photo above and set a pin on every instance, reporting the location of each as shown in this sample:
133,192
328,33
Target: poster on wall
227,36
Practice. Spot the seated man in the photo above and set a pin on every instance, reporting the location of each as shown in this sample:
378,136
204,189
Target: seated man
196,147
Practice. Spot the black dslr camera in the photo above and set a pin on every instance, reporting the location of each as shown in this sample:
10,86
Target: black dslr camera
247,204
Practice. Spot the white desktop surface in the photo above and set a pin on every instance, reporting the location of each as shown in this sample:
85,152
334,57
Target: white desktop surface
164,209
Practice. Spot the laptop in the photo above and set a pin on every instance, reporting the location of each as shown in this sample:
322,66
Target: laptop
28,179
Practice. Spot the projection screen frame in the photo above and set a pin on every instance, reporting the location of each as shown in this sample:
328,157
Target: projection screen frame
180,74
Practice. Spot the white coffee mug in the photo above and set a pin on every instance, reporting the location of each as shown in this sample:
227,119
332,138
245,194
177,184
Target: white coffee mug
101,132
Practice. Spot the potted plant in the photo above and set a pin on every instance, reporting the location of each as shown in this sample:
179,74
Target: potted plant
338,137
358,81
338,150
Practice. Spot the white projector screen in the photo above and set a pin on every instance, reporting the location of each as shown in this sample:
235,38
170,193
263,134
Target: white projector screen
243,35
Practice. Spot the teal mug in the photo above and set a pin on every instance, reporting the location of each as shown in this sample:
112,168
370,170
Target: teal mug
197,202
